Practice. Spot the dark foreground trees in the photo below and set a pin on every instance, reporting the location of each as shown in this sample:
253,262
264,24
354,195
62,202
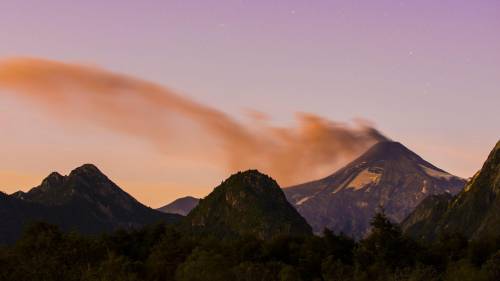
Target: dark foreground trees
161,252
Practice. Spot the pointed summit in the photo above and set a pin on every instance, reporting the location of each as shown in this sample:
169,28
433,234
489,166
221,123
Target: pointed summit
85,200
386,150
51,181
86,181
88,171
181,206
388,175
53,178
247,203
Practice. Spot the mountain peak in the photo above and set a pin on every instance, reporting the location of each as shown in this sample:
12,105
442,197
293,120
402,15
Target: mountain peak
181,206
86,200
388,174
388,145
54,176
86,169
188,198
86,182
247,202
251,179
252,173
386,150
53,179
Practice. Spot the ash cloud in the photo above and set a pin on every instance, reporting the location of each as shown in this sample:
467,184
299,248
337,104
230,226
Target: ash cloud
312,148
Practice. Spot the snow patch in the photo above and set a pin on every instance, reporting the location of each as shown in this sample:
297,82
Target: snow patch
337,189
424,187
301,201
436,174
363,178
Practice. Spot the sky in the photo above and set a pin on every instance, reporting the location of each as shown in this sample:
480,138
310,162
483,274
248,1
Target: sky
425,73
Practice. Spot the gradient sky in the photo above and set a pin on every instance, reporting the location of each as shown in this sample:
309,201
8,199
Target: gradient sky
426,73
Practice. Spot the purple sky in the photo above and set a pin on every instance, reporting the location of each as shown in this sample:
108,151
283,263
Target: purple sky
427,73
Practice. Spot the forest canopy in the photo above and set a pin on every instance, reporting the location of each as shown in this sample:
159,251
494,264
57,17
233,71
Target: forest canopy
163,252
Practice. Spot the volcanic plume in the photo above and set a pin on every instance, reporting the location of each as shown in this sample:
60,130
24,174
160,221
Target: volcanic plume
79,93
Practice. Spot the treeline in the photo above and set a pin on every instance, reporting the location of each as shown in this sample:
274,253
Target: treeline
161,252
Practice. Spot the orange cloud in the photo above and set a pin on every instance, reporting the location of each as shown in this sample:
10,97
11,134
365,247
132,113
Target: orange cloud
124,104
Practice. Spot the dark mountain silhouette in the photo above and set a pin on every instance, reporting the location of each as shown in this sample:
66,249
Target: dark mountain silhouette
388,175
247,203
85,201
16,213
474,212
181,206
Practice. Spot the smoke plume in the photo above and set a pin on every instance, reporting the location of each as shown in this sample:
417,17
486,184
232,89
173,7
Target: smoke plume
312,148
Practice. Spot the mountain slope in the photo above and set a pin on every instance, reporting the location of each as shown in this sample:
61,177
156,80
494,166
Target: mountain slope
247,203
426,215
85,201
16,213
388,175
473,212
181,206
